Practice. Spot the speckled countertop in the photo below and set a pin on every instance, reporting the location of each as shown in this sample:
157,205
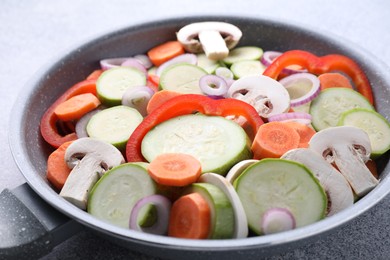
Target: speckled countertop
34,32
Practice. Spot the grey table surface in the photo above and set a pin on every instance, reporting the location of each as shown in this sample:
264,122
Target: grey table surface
33,33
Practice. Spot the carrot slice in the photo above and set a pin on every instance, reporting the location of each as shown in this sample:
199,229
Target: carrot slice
76,107
190,217
334,80
95,74
175,169
57,170
305,133
273,139
160,98
164,52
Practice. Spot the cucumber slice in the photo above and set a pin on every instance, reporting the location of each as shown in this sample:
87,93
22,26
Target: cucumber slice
243,53
247,68
115,194
374,124
280,183
147,216
114,125
182,78
240,221
208,65
218,143
113,83
222,214
328,106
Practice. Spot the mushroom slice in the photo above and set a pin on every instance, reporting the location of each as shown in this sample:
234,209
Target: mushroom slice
238,168
338,190
240,220
265,94
215,38
89,159
348,148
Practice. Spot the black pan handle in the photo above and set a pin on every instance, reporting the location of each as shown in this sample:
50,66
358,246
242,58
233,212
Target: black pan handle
29,227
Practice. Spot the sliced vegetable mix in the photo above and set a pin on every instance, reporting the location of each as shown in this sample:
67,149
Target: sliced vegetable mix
200,139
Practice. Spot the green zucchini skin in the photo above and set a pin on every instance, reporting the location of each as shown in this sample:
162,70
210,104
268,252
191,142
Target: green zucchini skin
218,143
280,183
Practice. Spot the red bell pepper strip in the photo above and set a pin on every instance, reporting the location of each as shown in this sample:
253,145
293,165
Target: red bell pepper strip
48,126
319,65
189,104
153,81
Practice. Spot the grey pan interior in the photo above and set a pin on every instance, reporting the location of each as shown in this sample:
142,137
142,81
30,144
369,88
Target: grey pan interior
30,151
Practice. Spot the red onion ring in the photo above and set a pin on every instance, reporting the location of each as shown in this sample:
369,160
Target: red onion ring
302,79
187,58
144,60
134,63
227,74
300,117
81,125
163,206
112,63
213,86
138,98
269,56
281,218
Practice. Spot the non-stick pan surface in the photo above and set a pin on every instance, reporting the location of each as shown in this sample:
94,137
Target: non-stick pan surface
30,150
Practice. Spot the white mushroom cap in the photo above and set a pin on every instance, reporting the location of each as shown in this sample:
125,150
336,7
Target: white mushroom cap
106,154
349,149
337,188
215,38
265,94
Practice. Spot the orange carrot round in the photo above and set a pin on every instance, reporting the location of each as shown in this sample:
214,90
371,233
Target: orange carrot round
164,52
160,98
305,133
95,74
273,139
57,170
334,80
76,107
190,217
175,169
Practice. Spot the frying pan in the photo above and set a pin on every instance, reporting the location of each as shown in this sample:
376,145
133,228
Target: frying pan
38,219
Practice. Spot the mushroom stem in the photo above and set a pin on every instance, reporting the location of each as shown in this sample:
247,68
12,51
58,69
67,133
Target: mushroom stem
348,148
354,170
213,44
214,38
81,180
89,158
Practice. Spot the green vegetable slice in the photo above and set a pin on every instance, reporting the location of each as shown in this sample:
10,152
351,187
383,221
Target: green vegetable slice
222,214
243,53
374,124
218,143
279,183
115,194
113,83
114,125
247,68
182,78
328,106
